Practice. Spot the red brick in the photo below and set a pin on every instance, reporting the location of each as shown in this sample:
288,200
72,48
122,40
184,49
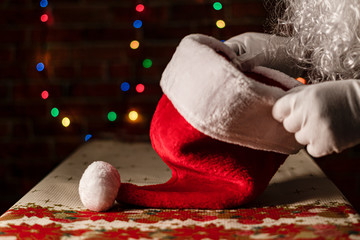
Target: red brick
5,126
29,54
26,109
192,12
81,14
154,71
19,3
166,32
96,90
20,16
248,9
109,34
233,30
25,150
155,14
124,15
165,52
60,53
6,54
4,91
21,129
102,52
12,35
80,110
63,71
87,34
64,146
92,71
120,70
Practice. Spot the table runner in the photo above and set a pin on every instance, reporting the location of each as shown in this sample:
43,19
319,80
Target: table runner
299,203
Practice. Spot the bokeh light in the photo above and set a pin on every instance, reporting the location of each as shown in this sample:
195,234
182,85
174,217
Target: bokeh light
43,3
112,116
55,112
147,63
40,66
217,6
65,122
134,44
45,94
44,17
140,88
302,80
140,8
87,137
133,115
137,24
125,86
220,23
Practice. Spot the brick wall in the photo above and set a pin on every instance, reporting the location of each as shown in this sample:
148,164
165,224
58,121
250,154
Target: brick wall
85,48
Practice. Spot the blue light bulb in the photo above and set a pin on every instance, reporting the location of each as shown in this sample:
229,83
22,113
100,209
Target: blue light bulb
137,24
43,3
40,66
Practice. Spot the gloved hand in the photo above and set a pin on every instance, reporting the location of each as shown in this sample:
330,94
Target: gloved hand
325,116
260,49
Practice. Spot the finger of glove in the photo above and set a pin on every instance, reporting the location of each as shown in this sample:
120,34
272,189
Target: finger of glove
233,46
293,122
303,136
247,61
281,109
317,151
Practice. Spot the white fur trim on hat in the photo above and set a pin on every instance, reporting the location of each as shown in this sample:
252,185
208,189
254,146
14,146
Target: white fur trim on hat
217,99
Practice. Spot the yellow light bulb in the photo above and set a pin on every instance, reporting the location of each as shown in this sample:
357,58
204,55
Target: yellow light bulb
220,23
133,115
65,121
134,44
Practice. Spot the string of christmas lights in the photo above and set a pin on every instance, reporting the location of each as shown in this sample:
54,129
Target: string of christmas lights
112,116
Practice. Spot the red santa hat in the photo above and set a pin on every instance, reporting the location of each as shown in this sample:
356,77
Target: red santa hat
213,127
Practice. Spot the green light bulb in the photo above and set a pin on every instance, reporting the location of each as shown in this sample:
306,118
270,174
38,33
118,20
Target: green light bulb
55,112
112,116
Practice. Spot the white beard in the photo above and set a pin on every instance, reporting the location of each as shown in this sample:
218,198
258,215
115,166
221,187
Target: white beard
324,35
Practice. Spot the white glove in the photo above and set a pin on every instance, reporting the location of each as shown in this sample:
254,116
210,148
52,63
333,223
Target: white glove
325,116
260,49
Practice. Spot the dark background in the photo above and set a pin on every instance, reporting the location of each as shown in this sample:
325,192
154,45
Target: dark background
85,48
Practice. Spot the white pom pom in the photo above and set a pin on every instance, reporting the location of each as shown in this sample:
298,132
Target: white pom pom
99,186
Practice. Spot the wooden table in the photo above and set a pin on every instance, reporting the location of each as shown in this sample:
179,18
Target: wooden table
300,203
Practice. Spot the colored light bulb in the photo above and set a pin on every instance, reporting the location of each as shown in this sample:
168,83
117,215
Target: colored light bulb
112,116
40,66
220,23
44,18
43,3
137,24
133,115
139,7
217,6
55,112
45,94
134,44
87,137
302,80
65,122
125,86
140,88
147,63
